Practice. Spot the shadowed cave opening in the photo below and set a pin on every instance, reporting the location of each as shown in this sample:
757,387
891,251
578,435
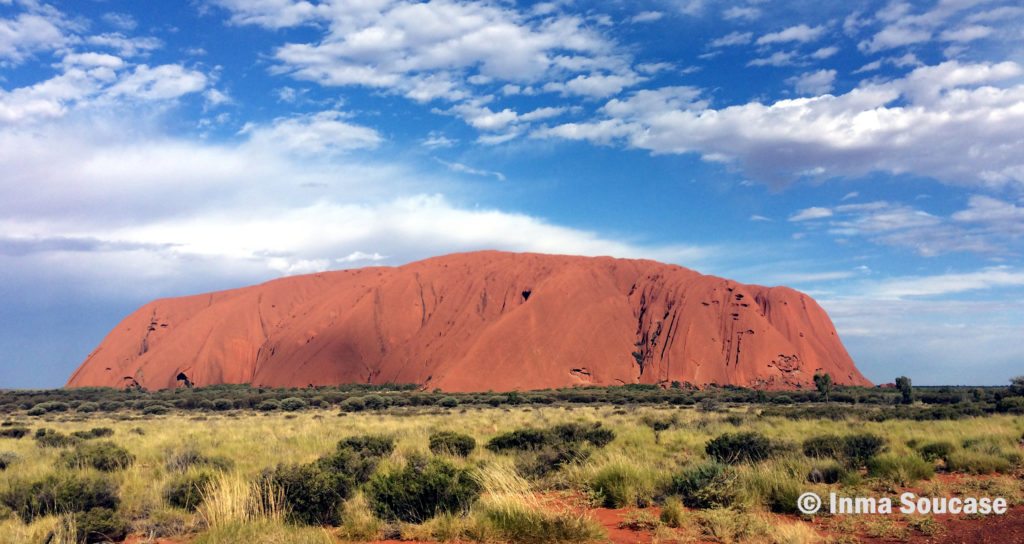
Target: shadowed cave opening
526,295
183,378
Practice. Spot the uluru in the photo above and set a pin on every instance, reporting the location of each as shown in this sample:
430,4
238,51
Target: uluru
479,321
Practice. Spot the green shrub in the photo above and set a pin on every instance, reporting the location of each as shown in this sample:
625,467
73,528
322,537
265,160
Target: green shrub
448,402
354,466
59,493
87,407
52,406
936,450
559,435
49,438
294,404
13,432
156,409
375,402
268,405
353,404
186,490
595,434
707,485
824,446
519,439
859,448
100,525
733,448
902,469
313,495
223,405
621,485
104,456
452,443
976,462
96,432
375,445
421,490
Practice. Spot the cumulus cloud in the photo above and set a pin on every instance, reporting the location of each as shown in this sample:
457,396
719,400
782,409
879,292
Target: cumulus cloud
321,133
646,17
813,83
986,226
811,213
88,79
797,33
958,123
733,38
31,32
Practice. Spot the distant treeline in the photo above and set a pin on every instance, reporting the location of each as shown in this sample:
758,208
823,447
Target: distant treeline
872,403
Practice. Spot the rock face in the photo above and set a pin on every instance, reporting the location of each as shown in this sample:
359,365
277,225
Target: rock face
479,321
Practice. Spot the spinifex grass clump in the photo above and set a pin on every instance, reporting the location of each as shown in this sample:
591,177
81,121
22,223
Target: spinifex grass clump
58,494
186,490
425,487
746,447
100,525
451,443
900,468
621,483
706,485
105,456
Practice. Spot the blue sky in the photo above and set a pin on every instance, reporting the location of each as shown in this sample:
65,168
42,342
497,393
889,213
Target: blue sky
868,153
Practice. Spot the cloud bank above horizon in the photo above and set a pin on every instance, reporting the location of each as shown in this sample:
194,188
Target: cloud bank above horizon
870,154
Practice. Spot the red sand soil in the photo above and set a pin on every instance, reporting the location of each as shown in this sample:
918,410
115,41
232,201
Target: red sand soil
480,321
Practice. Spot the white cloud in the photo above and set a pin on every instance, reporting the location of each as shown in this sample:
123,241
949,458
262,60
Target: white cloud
778,58
813,83
748,13
798,33
122,21
811,213
124,45
28,33
398,44
987,226
436,140
732,38
90,79
316,134
825,52
946,284
595,85
464,169
895,36
958,123
968,33
646,17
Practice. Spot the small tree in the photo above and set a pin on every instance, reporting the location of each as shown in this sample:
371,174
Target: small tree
1017,386
824,384
906,389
